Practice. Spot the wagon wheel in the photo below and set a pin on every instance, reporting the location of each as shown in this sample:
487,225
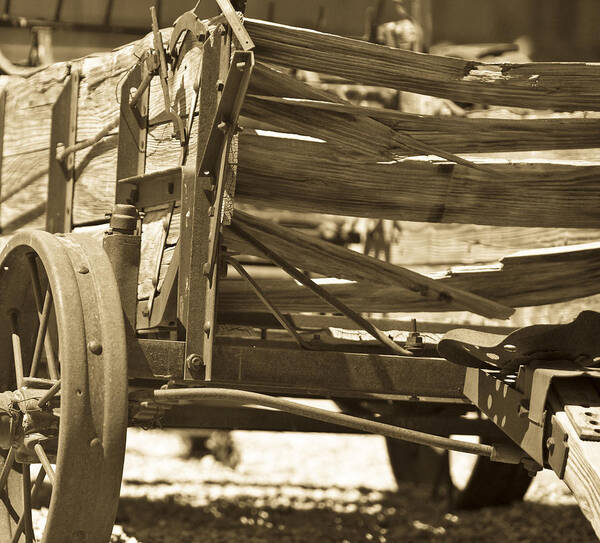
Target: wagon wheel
63,389
467,481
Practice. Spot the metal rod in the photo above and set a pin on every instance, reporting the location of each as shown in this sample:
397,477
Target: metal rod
108,12
37,294
263,298
38,382
49,395
253,398
64,153
41,454
41,335
28,528
36,486
320,291
8,463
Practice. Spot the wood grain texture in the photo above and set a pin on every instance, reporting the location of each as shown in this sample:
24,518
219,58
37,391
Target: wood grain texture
582,472
526,279
534,193
315,255
539,85
345,126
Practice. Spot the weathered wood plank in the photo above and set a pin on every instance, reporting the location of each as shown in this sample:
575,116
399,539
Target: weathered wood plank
565,86
534,193
319,256
527,279
341,124
582,465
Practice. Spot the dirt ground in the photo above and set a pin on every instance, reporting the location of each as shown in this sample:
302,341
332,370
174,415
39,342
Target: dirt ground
313,488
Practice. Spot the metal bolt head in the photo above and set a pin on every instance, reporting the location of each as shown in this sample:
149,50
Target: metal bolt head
95,347
207,327
220,85
194,361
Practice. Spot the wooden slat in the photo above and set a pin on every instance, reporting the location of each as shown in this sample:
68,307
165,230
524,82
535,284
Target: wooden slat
564,86
535,193
341,123
319,256
526,279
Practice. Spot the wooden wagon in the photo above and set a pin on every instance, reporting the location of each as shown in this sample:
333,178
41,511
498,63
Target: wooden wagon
148,314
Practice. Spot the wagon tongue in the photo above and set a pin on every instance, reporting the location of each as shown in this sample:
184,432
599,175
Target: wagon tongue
578,341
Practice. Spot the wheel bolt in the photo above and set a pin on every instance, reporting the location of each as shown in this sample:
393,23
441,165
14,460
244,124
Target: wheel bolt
95,347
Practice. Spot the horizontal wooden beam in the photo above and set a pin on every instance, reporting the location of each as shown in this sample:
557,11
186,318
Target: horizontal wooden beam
308,178
538,85
346,125
525,279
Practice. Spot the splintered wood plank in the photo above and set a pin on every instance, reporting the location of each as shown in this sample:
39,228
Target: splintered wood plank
564,86
525,193
319,256
529,279
345,125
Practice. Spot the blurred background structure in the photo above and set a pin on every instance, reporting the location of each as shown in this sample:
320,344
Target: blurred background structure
557,29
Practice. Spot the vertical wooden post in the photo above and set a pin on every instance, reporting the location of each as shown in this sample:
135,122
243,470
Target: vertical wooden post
61,174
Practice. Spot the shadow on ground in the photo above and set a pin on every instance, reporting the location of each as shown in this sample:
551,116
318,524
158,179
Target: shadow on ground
289,513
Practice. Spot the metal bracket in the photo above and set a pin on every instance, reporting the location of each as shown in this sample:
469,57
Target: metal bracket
188,22
61,174
220,106
133,124
154,188
558,449
178,126
520,411
236,25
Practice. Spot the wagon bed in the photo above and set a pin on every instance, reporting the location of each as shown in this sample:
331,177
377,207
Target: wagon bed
154,311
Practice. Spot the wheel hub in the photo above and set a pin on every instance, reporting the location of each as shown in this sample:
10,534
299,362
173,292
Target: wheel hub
23,424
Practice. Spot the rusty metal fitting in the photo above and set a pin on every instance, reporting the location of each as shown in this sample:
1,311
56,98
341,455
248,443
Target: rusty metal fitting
194,361
124,219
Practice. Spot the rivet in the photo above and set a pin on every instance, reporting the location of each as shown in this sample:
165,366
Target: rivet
95,443
95,347
83,269
207,327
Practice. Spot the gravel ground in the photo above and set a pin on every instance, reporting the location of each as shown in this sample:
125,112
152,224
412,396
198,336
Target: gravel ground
312,488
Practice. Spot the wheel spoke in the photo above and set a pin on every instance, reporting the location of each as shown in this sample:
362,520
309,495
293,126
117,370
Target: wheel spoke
37,294
43,457
8,464
41,335
11,510
27,504
49,394
36,486
16,345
